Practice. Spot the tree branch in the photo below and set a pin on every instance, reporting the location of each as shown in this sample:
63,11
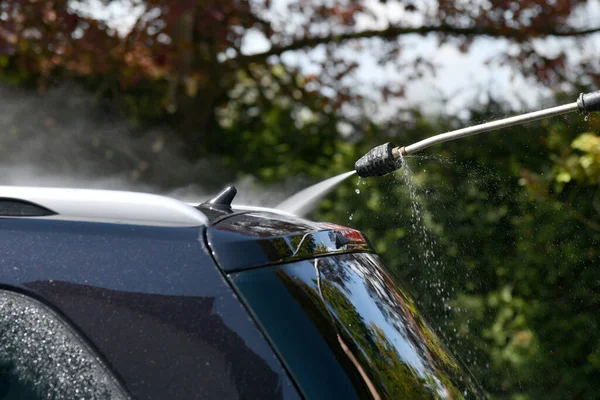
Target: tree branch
394,32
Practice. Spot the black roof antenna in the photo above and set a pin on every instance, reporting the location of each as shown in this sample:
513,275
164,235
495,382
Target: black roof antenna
224,198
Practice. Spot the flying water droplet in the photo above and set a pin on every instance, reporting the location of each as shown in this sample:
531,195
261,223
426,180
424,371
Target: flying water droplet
351,216
587,117
357,191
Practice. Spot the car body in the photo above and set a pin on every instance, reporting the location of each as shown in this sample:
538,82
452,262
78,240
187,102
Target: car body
107,294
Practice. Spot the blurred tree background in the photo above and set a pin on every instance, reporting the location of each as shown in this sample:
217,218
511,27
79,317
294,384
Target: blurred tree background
504,249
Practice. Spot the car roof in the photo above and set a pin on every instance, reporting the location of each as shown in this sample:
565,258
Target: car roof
111,206
121,207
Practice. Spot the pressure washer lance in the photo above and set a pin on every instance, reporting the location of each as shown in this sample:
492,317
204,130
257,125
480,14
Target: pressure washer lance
387,157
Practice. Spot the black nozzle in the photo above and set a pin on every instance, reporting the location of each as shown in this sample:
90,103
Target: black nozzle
378,161
589,102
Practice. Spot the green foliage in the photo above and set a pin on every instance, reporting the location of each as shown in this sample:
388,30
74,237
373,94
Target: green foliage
583,167
254,122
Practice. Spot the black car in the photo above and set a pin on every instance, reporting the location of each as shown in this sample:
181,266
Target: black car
115,295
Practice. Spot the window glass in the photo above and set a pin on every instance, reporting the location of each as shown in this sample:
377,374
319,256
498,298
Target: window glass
20,208
41,357
346,331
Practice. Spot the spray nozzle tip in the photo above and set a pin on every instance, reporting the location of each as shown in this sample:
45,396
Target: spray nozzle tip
589,102
378,161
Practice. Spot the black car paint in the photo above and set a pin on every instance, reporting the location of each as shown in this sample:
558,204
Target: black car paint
151,301
154,303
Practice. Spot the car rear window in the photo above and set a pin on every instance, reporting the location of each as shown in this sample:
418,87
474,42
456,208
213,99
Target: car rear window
345,330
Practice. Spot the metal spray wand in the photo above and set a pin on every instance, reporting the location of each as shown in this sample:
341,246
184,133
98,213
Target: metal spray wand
386,158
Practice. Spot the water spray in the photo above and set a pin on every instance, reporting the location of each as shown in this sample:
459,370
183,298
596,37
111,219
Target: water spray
387,157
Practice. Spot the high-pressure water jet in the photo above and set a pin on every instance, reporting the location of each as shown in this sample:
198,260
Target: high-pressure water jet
388,157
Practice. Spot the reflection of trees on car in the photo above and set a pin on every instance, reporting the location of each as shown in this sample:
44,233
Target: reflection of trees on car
391,370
